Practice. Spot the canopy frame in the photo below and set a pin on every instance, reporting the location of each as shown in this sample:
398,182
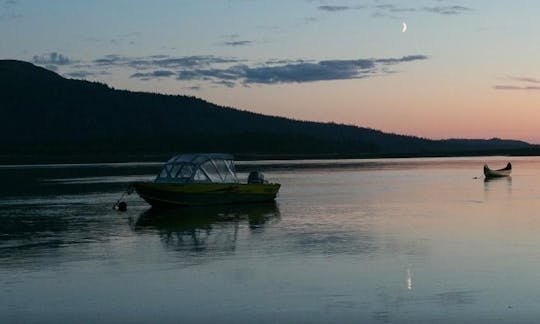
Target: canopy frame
199,168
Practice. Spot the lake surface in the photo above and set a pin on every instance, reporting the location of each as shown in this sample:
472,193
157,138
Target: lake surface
364,241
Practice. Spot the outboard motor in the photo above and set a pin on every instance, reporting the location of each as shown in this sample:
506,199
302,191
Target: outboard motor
256,177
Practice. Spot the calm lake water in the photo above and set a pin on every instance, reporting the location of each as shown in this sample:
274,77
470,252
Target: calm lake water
390,241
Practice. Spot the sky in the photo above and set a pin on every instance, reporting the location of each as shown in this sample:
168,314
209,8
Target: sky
462,69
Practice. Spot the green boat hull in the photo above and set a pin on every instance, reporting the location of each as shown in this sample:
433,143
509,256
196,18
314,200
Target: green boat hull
200,194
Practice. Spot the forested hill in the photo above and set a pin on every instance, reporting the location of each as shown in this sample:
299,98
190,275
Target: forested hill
44,114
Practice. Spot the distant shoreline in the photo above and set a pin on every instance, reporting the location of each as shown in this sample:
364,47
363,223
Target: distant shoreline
51,119
30,159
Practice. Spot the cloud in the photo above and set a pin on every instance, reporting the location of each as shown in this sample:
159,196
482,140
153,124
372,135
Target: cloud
390,10
8,10
229,84
337,8
194,88
127,38
111,59
53,59
512,87
225,71
408,58
81,74
448,10
306,72
301,72
238,43
153,75
163,61
333,8
393,8
234,40
521,80
525,79
285,61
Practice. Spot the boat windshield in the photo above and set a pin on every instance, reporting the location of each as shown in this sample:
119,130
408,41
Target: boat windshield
199,168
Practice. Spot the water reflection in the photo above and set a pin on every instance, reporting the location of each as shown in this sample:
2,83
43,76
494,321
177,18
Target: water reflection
394,245
32,236
409,279
498,185
507,180
205,228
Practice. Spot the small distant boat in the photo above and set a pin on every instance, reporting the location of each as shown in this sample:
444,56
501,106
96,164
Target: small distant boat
504,172
204,179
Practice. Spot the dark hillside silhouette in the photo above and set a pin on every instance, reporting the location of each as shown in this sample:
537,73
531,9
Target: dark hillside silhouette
44,114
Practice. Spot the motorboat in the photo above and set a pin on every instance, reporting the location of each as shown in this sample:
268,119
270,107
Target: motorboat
504,172
204,179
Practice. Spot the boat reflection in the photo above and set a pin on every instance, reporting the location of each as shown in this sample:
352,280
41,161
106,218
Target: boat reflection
498,185
205,228
488,180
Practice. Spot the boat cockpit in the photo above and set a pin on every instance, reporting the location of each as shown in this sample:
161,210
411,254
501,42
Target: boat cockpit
199,168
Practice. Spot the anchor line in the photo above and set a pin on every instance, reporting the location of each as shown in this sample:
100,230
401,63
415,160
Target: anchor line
129,190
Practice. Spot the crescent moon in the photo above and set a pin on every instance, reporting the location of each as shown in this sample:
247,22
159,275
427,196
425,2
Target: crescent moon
404,28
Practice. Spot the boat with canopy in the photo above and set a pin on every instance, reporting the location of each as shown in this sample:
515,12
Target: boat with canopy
204,179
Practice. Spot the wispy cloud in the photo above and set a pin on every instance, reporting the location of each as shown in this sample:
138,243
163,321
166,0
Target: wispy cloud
520,81
285,61
392,10
512,87
127,38
234,40
80,74
297,72
337,8
238,43
153,75
194,88
334,8
448,10
226,71
8,10
525,79
53,59
163,61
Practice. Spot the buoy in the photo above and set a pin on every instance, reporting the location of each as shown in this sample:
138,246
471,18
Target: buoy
122,206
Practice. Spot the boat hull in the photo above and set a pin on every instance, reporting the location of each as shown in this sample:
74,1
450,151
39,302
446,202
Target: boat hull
488,173
199,194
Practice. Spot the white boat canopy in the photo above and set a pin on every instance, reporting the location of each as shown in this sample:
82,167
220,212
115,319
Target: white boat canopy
199,167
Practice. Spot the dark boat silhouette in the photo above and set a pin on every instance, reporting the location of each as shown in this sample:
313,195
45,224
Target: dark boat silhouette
504,172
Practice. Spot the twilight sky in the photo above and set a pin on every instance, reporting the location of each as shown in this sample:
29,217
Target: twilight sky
462,69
